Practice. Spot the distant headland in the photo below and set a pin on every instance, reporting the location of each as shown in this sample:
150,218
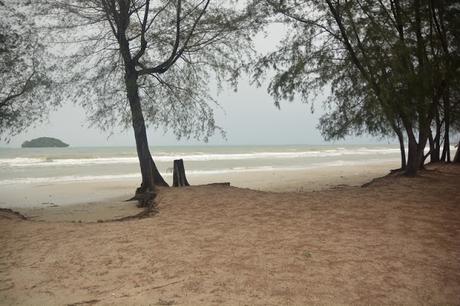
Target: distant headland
44,142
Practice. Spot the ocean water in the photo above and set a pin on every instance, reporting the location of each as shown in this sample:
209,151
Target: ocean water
48,165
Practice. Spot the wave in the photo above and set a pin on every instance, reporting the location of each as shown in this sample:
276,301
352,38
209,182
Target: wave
69,178
89,178
198,157
48,162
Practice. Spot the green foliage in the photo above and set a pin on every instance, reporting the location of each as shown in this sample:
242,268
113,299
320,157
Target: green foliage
174,91
26,93
383,61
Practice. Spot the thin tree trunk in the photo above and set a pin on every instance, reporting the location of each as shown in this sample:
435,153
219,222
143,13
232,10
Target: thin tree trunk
434,151
446,149
413,161
400,135
422,140
457,154
435,145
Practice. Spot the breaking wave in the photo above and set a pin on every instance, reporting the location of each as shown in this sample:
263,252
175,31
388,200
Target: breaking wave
198,157
89,178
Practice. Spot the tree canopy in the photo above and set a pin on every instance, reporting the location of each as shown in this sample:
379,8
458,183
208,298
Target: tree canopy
178,51
142,62
26,77
391,66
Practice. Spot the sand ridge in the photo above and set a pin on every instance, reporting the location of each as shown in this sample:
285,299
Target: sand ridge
394,242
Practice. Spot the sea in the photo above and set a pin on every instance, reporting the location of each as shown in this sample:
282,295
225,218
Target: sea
72,164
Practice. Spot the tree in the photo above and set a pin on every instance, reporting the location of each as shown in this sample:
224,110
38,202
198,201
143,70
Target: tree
26,94
446,20
381,59
157,55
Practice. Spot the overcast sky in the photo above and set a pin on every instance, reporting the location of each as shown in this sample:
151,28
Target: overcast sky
249,117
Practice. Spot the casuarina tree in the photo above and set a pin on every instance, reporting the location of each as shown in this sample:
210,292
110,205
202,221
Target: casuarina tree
389,64
26,91
142,62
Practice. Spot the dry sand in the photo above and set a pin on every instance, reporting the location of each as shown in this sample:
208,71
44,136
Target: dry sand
394,242
46,195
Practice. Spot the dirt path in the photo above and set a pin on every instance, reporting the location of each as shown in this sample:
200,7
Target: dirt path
395,242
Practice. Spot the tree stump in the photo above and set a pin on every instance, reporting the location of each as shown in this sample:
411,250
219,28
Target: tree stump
179,178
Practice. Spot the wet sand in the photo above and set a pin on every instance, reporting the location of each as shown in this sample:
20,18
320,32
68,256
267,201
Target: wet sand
394,242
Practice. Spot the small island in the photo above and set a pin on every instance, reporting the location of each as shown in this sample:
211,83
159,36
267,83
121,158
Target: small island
44,142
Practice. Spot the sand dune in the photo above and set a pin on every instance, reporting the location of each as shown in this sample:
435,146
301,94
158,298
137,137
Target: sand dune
394,242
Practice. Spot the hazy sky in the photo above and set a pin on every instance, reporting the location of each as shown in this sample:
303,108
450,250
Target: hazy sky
249,117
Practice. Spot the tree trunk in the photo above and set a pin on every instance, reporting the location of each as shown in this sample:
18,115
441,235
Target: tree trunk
179,178
400,135
158,180
150,175
446,150
434,149
149,171
457,154
140,133
415,152
422,140
413,160
435,146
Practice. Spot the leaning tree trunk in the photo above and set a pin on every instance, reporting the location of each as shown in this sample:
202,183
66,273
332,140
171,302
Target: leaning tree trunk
158,180
151,177
149,172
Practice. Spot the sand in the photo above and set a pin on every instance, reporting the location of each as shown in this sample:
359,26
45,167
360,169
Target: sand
63,194
394,242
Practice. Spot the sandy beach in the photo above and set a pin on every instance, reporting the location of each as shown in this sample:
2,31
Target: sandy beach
87,201
396,241
313,146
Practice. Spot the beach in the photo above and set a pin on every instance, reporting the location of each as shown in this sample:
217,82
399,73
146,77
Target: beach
229,153
76,184
104,200
396,241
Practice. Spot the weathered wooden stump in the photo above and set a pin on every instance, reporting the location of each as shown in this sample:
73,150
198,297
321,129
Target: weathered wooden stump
179,178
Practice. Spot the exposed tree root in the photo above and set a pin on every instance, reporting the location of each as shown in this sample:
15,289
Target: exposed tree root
11,214
224,184
148,211
145,199
399,170
90,302
148,203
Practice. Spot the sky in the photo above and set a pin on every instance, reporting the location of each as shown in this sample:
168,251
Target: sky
248,116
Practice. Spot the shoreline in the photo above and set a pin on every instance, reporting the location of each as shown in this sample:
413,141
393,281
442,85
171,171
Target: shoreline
93,201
